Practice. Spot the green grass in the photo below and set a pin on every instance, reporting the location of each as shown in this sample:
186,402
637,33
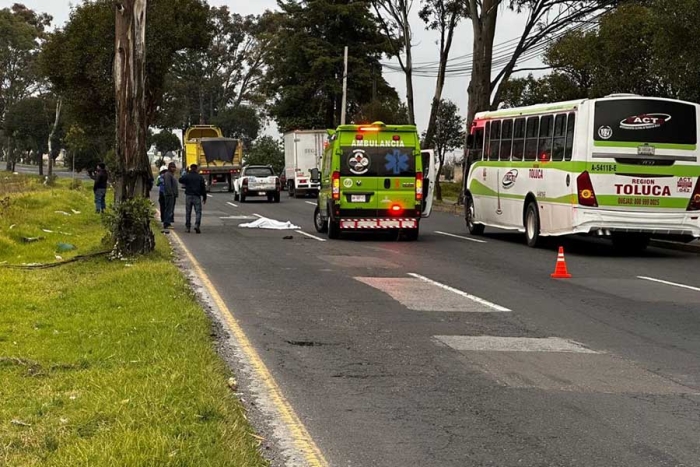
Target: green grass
106,363
450,190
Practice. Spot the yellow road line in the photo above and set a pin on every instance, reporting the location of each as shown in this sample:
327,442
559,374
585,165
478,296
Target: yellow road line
301,437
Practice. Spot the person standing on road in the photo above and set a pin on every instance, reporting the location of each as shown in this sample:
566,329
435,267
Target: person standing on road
160,183
101,177
195,196
170,191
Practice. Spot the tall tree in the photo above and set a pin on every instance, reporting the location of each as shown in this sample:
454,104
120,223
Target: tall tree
441,16
449,135
166,141
394,18
544,19
305,61
21,33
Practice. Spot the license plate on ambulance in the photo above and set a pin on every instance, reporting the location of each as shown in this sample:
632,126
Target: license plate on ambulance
358,198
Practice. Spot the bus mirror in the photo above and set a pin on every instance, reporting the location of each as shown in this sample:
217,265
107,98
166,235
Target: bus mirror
470,141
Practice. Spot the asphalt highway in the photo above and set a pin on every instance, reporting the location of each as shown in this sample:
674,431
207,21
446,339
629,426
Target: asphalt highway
462,351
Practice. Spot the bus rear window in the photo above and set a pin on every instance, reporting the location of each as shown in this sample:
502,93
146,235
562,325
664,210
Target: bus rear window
645,121
378,162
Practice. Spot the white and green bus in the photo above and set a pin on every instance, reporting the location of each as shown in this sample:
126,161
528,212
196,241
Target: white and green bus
623,166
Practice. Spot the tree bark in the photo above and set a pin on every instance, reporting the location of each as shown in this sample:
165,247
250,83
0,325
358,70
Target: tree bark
133,177
445,46
438,187
479,90
409,62
59,105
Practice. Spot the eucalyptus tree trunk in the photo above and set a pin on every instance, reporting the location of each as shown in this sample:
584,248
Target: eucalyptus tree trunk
133,177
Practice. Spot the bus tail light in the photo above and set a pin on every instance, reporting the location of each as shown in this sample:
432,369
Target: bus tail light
336,186
586,194
694,203
419,186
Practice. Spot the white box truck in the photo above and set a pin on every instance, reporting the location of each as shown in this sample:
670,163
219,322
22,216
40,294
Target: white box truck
303,150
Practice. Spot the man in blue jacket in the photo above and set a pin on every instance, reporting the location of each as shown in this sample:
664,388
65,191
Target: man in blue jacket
195,196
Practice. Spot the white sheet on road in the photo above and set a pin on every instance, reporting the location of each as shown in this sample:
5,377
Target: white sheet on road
271,224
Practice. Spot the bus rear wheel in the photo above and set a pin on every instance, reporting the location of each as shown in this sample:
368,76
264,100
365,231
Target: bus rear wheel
474,229
532,225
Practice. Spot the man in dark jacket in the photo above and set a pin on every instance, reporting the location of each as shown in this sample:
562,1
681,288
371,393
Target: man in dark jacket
195,196
101,177
170,190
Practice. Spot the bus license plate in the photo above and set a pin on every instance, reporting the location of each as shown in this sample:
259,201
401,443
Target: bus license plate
358,198
646,150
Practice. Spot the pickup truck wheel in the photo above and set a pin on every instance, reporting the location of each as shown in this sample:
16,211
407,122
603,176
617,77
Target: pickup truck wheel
269,198
319,223
242,198
276,197
235,196
290,189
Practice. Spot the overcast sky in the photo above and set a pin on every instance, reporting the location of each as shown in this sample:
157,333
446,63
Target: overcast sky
425,49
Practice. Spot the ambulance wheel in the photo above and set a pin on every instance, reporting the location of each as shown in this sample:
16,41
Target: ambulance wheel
333,229
474,229
532,225
411,235
319,223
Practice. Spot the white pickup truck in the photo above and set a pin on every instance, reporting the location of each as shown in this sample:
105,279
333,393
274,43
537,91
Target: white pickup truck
257,180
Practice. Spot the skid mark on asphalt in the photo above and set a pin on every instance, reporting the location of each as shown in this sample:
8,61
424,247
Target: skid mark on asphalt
556,364
419,295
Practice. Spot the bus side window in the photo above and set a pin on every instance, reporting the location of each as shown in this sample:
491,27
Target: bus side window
506,139
518,139
487,141
531,138
559,138
477,146
545,146
570,126
495,144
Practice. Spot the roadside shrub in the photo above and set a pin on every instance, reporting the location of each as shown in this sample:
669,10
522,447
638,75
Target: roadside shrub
129,227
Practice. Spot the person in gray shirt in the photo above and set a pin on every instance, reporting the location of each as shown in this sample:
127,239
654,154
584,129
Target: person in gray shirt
171,192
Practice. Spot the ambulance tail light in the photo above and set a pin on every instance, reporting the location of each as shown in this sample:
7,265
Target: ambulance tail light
336,185
419,186
694,203
586,194
396,209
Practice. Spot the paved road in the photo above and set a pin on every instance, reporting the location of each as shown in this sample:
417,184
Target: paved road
58,171
403,354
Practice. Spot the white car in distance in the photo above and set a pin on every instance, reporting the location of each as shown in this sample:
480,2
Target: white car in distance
257,180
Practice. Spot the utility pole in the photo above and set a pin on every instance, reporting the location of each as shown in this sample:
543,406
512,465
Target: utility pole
345,88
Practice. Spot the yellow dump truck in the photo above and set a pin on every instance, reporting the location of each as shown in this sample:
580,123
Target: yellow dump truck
219,159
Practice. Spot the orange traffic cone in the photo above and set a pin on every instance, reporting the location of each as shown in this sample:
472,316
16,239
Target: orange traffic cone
560,271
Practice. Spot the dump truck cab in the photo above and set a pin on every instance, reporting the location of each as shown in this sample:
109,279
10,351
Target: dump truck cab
372,178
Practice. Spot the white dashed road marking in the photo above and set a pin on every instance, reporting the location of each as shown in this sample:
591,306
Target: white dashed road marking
237,217
231,204
310,236
674,284
258,216
311,203
459,292
512,344
476,240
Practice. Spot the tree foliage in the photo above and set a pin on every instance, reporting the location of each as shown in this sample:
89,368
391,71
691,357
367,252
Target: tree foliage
305,61
29,121
449,135
78,59
242,121
617,58
266,150
166,141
